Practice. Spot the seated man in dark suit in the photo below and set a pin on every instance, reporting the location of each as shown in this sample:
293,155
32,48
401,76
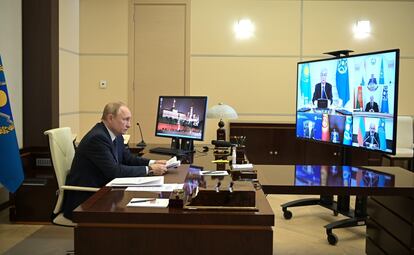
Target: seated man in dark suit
101,156
323,90
372,80
371,139
371,106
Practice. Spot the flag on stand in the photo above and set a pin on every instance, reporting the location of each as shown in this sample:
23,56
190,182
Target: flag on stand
384,102
359,102
361,131
342,80
305,84
381,76
325,127
382,136
11,170
348,131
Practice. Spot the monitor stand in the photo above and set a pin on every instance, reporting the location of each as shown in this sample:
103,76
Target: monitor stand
182,144
356,216
187,145
175,143
178,147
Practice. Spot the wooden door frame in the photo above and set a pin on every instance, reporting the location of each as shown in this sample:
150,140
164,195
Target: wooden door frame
131,52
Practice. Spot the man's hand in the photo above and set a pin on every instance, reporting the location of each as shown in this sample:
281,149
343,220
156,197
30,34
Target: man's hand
157,169
161,162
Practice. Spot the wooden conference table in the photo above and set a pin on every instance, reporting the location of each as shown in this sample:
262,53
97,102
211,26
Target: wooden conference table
107,226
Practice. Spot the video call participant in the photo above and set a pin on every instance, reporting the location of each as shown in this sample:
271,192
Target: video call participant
101,156
309,129
371,139
371,106
323,90
372,80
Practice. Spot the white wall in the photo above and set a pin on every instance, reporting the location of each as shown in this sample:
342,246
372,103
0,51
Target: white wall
69,64
11,54
258,76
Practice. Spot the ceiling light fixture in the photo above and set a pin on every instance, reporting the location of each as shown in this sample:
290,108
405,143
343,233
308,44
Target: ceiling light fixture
244,29
362,29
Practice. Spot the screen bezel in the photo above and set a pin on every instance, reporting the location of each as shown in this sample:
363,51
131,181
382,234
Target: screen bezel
180,136
395,113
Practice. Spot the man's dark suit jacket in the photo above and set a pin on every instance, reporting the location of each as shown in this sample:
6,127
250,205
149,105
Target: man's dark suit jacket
95,164
373,107
367,140
372,81
317,93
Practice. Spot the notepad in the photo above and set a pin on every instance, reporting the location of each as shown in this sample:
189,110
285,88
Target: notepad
149,202
137,181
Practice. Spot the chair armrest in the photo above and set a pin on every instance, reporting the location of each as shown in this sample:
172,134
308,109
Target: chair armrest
79,188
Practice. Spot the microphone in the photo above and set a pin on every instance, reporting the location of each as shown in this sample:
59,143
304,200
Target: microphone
142,143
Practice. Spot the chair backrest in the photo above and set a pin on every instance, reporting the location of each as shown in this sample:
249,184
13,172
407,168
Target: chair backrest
405,132
62,152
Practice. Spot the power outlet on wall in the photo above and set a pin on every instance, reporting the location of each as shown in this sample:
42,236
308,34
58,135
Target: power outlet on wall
103,84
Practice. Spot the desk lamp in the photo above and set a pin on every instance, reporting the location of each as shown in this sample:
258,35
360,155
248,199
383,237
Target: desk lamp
221,111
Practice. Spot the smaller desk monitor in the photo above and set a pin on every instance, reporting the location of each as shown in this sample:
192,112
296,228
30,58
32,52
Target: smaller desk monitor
181,118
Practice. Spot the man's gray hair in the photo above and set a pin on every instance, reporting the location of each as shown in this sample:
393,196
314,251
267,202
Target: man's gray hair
112,108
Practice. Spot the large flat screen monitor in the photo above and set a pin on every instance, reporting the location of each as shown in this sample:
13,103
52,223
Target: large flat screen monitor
350,100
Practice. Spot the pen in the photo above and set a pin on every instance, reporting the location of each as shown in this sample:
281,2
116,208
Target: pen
220,161
141,201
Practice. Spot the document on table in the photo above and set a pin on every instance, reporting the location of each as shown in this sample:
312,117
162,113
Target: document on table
242,166
149,202
168,187
173,162
214,173
137,181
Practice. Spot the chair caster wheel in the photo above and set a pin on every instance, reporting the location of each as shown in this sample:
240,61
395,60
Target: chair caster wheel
287,214
332,239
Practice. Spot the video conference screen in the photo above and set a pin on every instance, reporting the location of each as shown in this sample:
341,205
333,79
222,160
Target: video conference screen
341,176
351,101
181,117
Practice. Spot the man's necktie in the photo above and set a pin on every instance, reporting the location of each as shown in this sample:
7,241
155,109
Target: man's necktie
115,150
323,92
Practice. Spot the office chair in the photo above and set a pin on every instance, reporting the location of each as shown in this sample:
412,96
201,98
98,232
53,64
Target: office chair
62,151
405,146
